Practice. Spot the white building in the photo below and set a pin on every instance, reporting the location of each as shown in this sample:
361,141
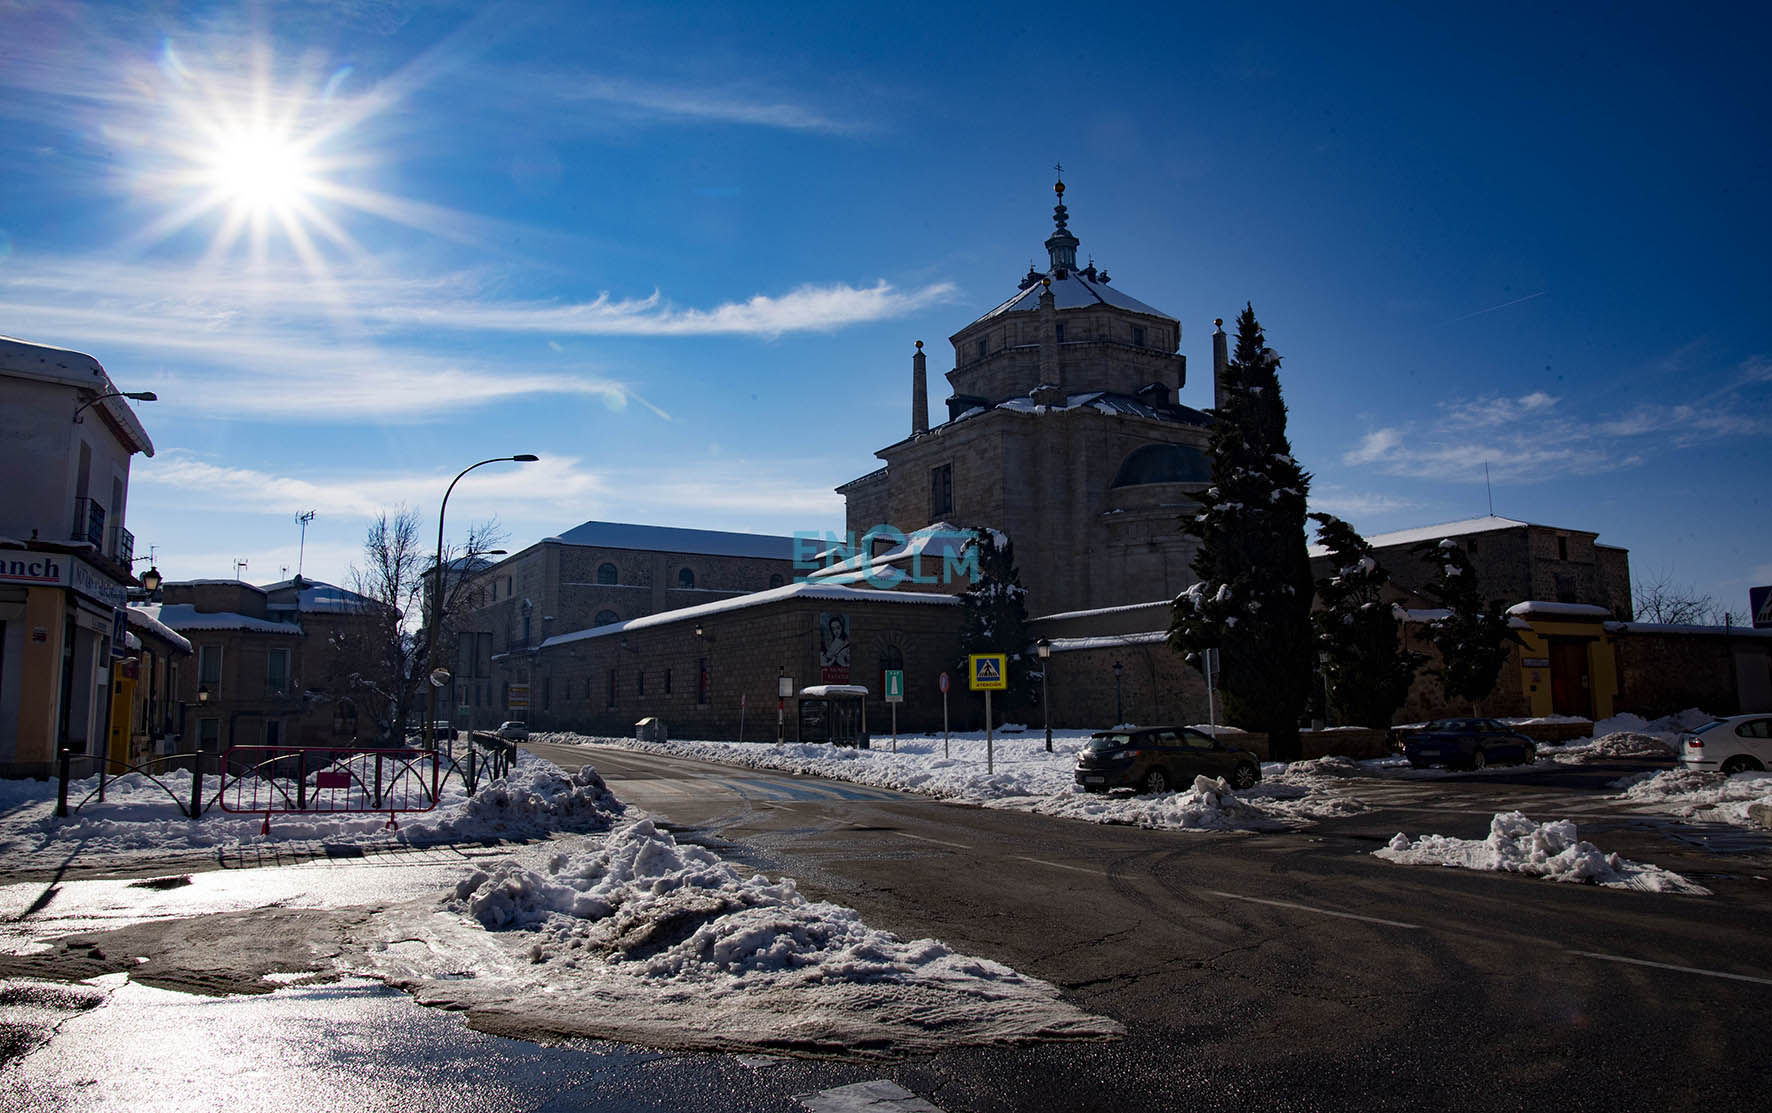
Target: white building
67,437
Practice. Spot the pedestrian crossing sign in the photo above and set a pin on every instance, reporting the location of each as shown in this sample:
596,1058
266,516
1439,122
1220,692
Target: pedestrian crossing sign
987,672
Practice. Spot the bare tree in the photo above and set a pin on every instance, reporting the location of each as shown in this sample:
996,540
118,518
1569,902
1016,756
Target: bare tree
1658,599
383,660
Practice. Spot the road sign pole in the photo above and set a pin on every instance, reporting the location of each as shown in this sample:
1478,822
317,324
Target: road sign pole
895,728
989,765
942,683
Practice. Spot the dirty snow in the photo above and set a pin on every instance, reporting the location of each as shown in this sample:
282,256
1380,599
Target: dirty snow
1697,794
1020,776
137,814
640,938
1551,850
1612,747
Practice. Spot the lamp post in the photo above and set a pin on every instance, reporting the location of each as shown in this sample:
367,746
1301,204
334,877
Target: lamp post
1044,648
137,395
430,737
1119,713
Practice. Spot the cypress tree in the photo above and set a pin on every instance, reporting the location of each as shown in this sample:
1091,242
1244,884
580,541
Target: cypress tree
1369,671
1474,638
1253,598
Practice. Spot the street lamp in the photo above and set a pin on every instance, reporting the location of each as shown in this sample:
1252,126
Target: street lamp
150,580
137,395
1119,714
430,737
1044,648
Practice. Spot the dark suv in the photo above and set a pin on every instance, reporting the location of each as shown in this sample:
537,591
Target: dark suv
1161,759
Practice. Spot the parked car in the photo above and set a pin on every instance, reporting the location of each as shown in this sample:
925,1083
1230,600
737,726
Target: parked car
514,730
1740,744
1469,743
442,728
1161,759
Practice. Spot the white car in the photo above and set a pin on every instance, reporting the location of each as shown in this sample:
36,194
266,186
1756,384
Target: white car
1739,744
515,730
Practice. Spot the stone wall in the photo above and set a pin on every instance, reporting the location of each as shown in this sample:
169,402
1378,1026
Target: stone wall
1662,671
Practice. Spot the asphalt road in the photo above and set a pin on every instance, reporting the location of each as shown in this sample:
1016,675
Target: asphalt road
1284,971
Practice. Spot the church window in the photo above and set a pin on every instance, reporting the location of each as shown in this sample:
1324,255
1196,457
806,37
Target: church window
606,574
610,702
984,346
685,578
941,491
604,618
640,682
667,682
775,580
1137,336
1059,331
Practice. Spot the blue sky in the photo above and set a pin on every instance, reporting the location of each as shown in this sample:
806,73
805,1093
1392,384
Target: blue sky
682,253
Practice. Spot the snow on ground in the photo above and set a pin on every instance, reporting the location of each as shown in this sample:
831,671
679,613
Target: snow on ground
1021,776
1611,747
138,814
1700,795
640,938
1553,850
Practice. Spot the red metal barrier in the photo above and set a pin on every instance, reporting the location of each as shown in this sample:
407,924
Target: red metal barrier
322,780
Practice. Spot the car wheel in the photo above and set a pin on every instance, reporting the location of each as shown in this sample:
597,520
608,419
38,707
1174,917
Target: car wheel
1245,776
1156,781
1479,760
1741,763
1529,756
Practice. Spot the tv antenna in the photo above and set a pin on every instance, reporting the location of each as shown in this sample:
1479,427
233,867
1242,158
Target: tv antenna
1490,491
301,551
238,565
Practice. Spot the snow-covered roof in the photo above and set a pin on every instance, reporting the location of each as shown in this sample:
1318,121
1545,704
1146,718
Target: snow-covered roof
48,363
185,616
935,544
1073,291
1163,603
754,599
1559,610
817,691
1109,641
1678,628
316,595
1101,401
139,618
1419,534
673,539
212,583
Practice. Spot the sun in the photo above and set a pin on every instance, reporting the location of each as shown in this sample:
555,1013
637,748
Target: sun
257,170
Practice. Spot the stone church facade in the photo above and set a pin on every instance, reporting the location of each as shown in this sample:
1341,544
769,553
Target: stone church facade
1064,431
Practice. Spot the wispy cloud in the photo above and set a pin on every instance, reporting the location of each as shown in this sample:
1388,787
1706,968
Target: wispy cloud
365,346
1529,439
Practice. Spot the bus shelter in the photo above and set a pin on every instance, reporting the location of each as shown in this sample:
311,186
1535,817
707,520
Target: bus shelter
834,713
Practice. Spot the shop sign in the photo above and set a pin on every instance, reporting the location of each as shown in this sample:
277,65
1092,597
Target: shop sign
26,567
92,583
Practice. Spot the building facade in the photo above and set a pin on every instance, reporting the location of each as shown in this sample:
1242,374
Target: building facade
67,437
1064,431
271,666
596,574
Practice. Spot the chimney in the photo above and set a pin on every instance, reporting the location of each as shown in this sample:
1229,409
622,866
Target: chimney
1220,361
919,392
1049,372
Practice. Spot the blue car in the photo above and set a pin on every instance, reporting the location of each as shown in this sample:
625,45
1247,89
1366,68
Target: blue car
1468,744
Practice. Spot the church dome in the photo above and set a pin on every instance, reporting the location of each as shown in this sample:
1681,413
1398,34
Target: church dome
1163,463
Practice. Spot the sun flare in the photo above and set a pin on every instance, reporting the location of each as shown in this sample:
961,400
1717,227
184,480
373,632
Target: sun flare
257,170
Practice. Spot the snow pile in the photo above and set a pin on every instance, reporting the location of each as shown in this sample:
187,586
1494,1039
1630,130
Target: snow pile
1022,777
141,814
1207,805
1696,794
1550,850
1667,724
641,938
1611,747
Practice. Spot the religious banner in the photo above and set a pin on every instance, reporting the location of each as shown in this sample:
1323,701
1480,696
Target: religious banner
833,648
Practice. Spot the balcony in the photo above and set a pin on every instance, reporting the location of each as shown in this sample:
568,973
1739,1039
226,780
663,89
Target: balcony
89,523
122,546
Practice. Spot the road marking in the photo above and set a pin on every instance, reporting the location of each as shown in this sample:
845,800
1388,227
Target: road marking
925,838
1309,908
880,1096
1676,969
1061,866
